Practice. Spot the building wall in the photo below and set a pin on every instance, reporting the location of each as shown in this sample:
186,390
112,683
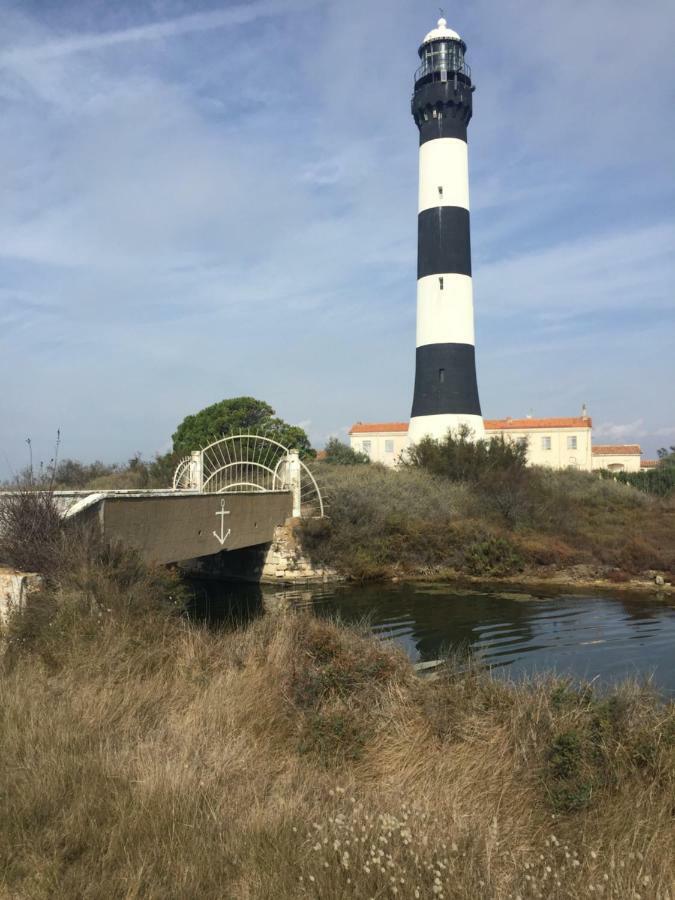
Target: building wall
550,447
628,462
382,447
558,456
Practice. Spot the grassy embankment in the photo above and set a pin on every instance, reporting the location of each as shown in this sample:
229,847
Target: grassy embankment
535,524
145,757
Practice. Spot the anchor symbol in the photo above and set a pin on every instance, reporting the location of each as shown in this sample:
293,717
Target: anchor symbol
223,536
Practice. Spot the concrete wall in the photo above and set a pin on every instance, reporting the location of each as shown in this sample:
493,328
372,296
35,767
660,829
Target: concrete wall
14,588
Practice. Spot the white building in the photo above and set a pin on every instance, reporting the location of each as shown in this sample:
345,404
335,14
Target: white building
618,457
558,443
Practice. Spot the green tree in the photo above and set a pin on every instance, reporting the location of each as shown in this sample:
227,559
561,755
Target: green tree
232,416
666,456
343,455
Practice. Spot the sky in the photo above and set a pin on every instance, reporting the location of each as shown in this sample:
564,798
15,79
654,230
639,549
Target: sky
201,199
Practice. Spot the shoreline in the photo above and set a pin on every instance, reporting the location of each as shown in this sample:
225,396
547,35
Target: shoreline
561,580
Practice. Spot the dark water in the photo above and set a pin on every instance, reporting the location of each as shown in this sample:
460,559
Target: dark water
607,637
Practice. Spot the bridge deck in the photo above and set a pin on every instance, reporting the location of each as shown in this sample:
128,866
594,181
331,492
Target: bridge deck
170,526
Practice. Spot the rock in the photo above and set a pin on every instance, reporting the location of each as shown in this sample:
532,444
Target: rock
660,580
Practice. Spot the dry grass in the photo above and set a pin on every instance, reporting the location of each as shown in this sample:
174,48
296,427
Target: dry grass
143,757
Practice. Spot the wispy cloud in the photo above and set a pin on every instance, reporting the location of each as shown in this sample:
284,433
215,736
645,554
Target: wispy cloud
224,202
237,15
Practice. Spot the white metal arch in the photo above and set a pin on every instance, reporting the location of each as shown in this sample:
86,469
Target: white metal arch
250,463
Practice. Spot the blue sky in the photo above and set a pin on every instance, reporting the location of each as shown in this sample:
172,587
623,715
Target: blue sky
200,200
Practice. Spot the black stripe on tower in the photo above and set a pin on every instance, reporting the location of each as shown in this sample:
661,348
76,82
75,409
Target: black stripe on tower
442,110
443,241
445,380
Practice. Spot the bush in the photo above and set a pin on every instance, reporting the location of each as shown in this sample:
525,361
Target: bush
30,531
383,521
659,481
342,455
458,457
493,556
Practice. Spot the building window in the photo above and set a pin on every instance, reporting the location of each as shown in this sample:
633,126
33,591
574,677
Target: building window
440,192
546,443
388,446
523,441
440,282
365,446
441,376
572,442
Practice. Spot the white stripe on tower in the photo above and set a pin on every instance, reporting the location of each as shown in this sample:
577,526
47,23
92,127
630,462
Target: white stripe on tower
444,174
446,392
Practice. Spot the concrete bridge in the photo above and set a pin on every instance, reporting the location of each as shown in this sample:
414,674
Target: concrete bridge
235,493
171,526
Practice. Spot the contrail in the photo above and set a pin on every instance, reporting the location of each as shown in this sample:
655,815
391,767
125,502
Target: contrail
235,15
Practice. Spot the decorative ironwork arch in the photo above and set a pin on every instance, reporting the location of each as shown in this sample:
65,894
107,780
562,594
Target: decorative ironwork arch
250,463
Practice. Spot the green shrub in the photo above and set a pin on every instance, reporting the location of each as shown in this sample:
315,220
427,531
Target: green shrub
342,455
458,457
659,481
493,556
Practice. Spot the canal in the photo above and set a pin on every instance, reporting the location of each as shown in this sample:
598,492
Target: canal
606,637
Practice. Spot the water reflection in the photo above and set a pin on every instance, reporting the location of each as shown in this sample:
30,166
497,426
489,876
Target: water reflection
594,637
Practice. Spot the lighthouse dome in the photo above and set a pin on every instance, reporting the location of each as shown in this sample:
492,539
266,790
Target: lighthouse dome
441,33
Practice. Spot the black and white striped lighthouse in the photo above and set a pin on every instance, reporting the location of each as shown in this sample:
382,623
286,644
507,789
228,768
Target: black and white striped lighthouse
446,392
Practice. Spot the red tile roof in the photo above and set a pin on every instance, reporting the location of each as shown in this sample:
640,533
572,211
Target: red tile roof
649,463
518,424
616,449
372,427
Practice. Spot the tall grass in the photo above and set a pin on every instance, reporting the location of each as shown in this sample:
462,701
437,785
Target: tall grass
144,757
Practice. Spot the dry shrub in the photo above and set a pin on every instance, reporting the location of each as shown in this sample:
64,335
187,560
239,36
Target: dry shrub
297,758
385,522
382,521
637,556
549,550
30,531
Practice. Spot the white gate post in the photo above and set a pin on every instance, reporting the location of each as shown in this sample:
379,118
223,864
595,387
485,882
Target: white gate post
294,479
196,470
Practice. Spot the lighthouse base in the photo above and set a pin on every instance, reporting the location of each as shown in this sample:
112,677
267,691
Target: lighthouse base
437,427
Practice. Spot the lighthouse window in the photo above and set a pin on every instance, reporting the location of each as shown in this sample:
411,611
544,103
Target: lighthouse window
440,192
440,282
441,376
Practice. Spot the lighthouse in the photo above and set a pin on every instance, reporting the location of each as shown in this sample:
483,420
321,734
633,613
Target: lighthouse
446,390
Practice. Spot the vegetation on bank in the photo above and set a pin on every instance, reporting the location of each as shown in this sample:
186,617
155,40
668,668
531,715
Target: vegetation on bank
477,509
143,756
